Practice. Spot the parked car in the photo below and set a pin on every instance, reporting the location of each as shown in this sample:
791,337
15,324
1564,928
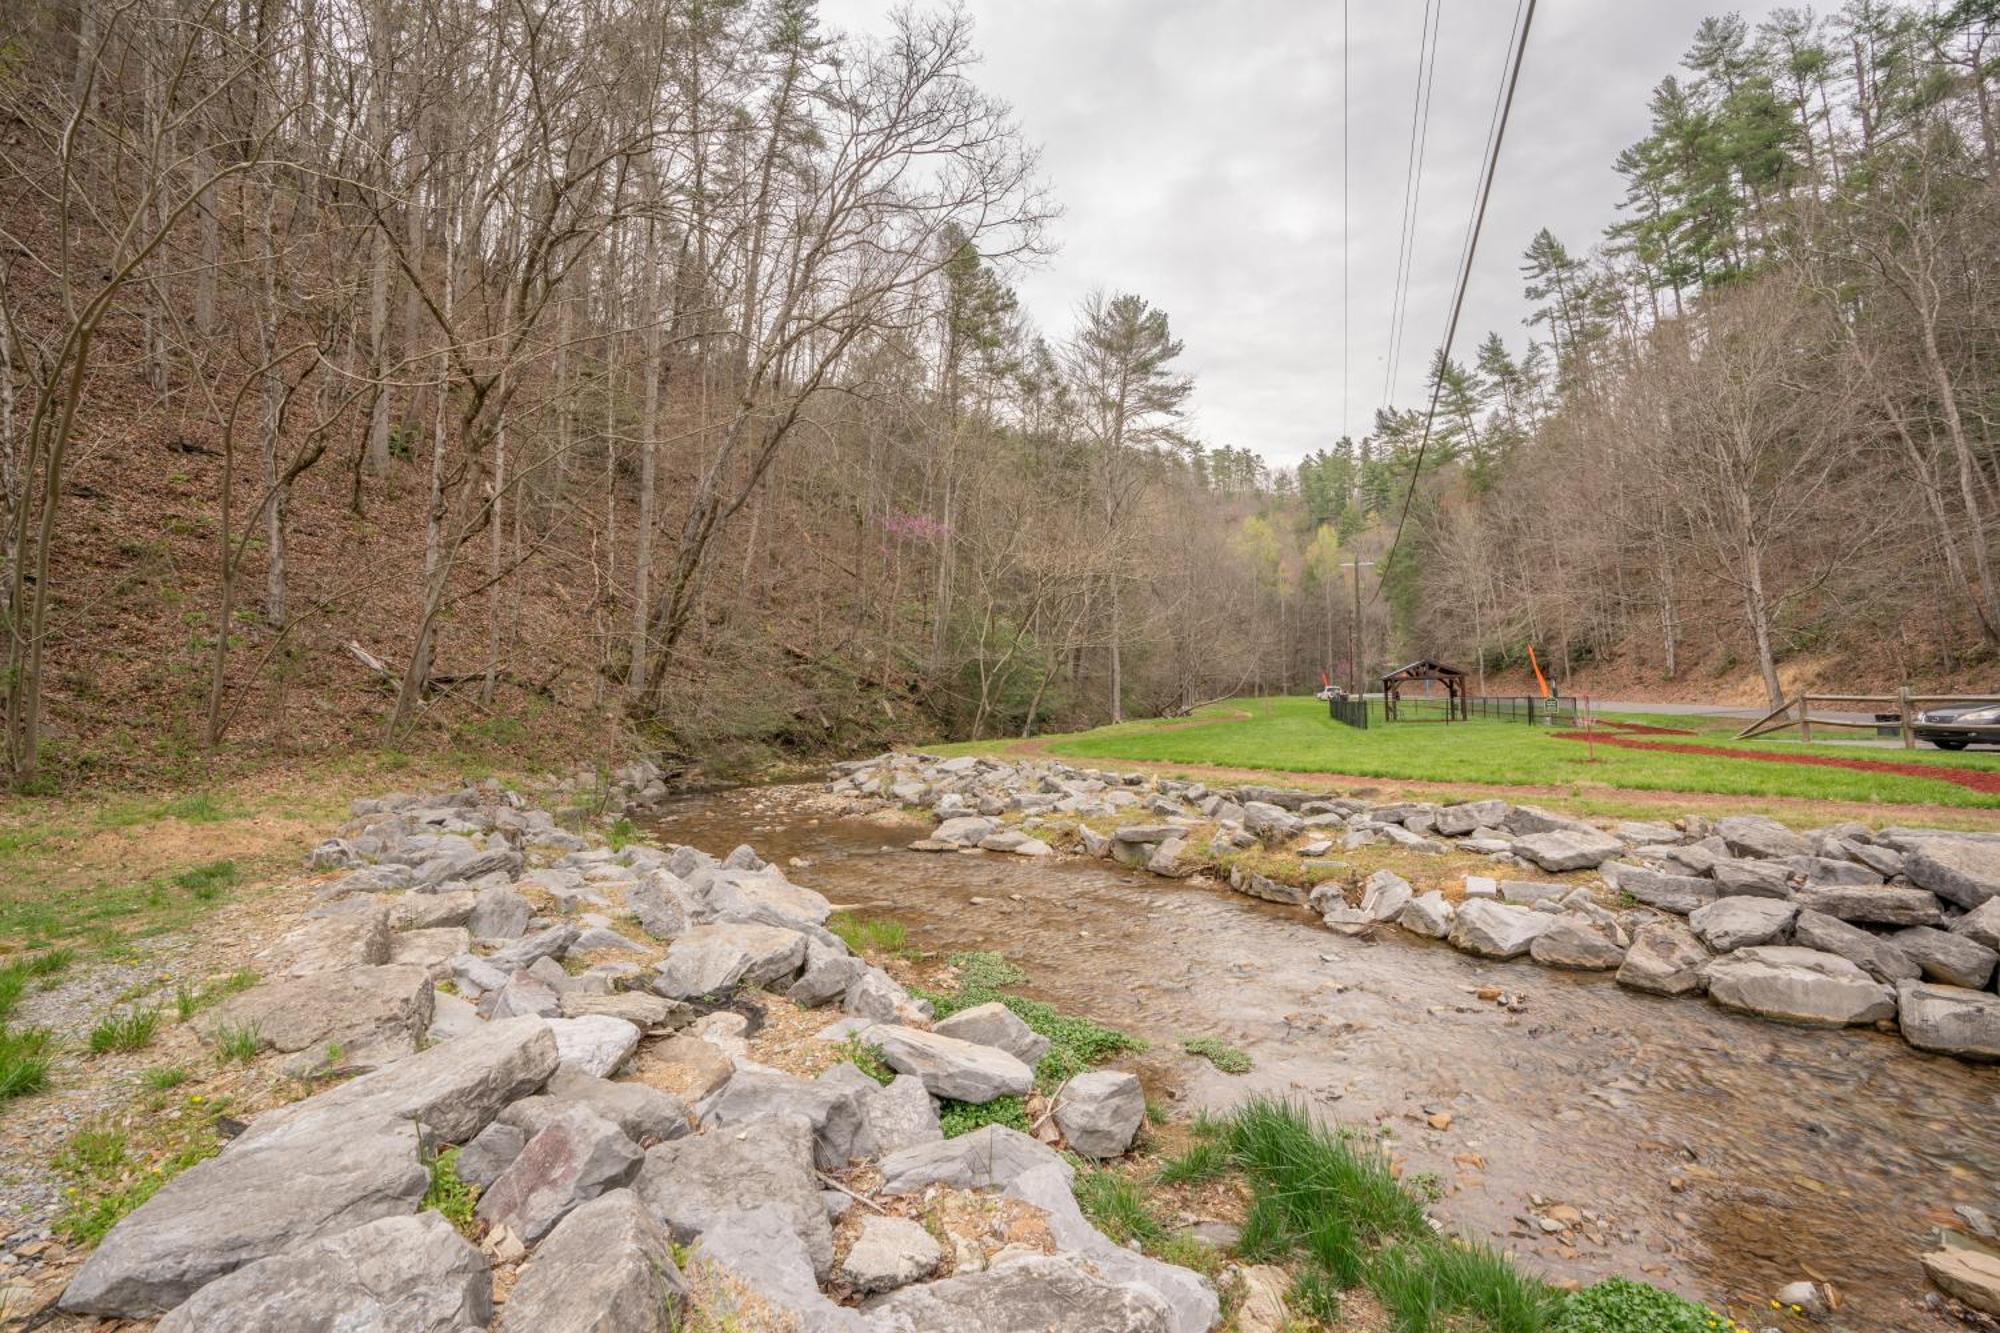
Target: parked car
1952,728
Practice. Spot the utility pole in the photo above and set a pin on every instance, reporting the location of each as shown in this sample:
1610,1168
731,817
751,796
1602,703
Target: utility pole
1354,636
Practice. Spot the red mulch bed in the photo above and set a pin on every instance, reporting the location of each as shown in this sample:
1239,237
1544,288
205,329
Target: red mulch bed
1979,780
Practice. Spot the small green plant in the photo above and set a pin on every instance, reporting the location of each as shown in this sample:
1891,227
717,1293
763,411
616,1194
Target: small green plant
867,1058
24,1062
622,834
207,881
15,976
1204,1161
877,935
1117,1206
130,1031
240,1044
1075,1044
191,1000
447,1194
956,1118
1620,1305
164,1078
92,1152
1218,1053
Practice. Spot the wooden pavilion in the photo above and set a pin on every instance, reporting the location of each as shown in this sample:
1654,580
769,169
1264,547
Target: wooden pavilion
1451,677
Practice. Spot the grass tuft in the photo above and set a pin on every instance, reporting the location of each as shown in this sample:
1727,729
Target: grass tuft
871,935
240,1044
208,880
1202,1162
129,1031
24,1061
1117,1206
867,1057
1223,1056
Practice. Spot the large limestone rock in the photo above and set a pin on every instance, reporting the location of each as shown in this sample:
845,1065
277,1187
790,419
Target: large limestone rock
1944,957
1959,870
828,972
1573,942
1797,985
357,1018
646,1114
648,1013
1670,893
951,1068
889,1252
987,1158
1495,930
1738,922
712,959
1981,925
1457,821
1871,904
893,1117
877,997
765,898
994,1024
358,938
758,1249
664,904
1190,1301
1755,835
1752,878
499,913
1427,914
247,1204
963,831
1971,1276
1876,956
454,1091
594,1044
576,1157
1665,959
693,1184
607,1268
833,1109
1049,1294
1384,895
396,1275
1950,1020
1568,849
1099,1113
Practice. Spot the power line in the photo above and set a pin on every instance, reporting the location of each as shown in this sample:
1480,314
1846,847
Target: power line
1409,175
1526,9
1346,225
1401,328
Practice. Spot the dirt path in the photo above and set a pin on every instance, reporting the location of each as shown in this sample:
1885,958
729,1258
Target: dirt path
1973,779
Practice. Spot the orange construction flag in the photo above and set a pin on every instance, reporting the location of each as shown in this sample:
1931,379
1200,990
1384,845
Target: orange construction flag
1540,679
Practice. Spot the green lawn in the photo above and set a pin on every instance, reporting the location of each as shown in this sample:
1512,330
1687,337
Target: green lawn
1295,735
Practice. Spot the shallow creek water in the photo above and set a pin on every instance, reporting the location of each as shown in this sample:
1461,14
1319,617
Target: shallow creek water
1726,1156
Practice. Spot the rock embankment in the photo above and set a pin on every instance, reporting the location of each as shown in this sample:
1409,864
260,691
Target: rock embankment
1834,927
475,978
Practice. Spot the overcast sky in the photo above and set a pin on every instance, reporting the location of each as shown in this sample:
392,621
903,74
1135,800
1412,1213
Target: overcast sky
1195,146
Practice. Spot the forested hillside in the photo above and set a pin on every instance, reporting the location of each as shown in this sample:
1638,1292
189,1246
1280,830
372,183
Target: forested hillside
1753,424
402,373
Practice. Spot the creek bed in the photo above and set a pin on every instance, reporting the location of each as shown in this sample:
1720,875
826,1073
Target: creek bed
1729,1156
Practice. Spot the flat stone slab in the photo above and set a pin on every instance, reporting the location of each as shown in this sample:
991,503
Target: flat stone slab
1950,1020
1665,959
575,1158
987,1158
959,1070
595,1044
1798,986
1495,930
1872,905
1738,921
360,1017
994,1024
1568,849
1959,870
889,1252
397,1275
1573,942
713,959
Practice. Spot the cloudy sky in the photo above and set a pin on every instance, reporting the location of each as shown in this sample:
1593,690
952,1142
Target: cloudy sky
1195,146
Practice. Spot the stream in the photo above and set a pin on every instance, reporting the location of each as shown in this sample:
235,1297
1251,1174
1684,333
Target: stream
1715,1154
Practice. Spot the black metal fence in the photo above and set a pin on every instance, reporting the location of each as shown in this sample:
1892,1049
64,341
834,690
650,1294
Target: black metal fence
1527,708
